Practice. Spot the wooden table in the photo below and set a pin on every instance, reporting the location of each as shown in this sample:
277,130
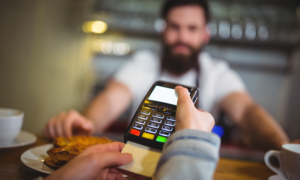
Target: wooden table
12,168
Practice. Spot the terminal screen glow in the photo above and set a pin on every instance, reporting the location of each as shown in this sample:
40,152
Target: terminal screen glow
164,95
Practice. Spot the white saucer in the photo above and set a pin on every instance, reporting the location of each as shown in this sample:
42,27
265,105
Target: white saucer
276,177
24,138
34,158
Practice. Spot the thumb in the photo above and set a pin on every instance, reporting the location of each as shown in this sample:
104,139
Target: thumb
83,124
109,159
87,125
183,96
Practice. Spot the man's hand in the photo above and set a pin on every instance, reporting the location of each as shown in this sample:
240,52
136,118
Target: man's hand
68,124
259,129
95,162
188,117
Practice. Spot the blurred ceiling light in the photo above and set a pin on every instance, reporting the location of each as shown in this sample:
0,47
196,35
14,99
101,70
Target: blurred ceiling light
212,27
96,27
250,31
236,31
159,25
298,11
107,47
121,49
263,32
224,29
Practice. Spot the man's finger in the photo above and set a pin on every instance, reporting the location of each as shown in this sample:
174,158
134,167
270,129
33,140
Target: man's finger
63,123
87,125
74,123
183,96
51,129
67,126
58,127
78,121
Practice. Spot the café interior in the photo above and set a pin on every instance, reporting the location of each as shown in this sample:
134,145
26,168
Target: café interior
57,55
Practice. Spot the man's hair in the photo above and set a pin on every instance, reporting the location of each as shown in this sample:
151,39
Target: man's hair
169,4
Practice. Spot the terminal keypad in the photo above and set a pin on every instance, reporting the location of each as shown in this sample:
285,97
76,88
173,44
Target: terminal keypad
154,122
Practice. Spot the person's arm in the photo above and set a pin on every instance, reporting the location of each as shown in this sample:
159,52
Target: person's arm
259,129
108,105
104,109
189,154
192,152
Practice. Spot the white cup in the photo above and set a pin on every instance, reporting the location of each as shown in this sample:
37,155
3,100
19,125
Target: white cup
11,121
286,162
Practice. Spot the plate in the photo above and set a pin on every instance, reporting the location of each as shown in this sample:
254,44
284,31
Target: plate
276,177
34,158
24,138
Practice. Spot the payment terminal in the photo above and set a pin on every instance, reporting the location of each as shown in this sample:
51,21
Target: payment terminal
154,121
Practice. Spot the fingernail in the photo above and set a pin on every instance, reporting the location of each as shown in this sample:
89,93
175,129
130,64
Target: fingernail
128,155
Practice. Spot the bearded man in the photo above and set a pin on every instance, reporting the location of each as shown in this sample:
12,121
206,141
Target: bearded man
180,61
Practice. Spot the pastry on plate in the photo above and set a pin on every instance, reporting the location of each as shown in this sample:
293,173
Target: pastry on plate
54,164
66,148
80,141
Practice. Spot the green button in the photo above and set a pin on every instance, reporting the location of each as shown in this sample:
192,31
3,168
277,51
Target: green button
161,139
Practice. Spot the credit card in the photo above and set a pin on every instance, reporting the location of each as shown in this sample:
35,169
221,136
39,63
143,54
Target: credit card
144,161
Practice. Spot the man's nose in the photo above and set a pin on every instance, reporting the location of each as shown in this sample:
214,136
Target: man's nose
183,36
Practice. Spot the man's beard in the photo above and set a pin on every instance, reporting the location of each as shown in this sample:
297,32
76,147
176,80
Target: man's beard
179,64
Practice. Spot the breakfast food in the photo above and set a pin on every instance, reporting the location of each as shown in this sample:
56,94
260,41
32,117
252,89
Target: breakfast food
66,148
52,164
63,154
79,141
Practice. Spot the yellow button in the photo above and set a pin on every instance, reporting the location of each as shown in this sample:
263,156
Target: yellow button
148,136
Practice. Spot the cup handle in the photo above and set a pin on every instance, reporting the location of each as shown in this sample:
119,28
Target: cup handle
279,169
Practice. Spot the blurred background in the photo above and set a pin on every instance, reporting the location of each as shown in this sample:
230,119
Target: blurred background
58,54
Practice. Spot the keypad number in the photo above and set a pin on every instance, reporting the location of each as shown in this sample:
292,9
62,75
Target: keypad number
167,128
145,112
170,123
156,120
171,118
150,130
164,133
157,115
153,125
138,126
141,116
139,121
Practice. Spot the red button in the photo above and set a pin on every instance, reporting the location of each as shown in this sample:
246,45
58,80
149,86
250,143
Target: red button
135,132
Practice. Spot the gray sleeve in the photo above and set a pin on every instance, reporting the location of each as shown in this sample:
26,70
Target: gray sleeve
189,154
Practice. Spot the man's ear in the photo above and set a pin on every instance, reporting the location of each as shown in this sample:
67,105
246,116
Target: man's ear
206,35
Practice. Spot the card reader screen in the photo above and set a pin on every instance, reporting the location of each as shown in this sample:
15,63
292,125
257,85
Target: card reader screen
164,95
